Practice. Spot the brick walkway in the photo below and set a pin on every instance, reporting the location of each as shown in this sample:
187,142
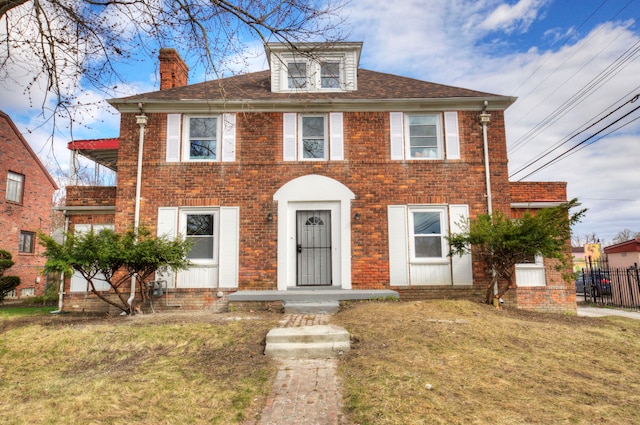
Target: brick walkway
305,391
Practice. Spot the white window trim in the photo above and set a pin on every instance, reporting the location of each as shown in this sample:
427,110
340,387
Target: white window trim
16,179
538,264
439,137
314,81
186,143
341,73
182,225
444,226
300,139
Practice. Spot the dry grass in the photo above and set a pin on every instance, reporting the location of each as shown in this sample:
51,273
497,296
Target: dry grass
485,367
164,369
488,366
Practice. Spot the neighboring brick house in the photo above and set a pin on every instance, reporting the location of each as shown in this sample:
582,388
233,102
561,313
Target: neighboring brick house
26,191
314,174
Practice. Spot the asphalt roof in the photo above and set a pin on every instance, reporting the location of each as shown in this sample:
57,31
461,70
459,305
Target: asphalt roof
256,86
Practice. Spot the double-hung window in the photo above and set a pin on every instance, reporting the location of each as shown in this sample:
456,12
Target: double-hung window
428,230
424,136
27,242
202,143
330,75
297,75
200,230
423,140
15,187
313,136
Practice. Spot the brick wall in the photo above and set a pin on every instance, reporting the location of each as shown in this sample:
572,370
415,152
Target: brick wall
91,196
538,191
259,172
34,214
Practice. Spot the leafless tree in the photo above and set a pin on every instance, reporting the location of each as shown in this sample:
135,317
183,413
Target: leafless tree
66,45
581,240
625,235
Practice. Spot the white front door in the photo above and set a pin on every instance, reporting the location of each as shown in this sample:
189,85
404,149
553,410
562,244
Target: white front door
313,237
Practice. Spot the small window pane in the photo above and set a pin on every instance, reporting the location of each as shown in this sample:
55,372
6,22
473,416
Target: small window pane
297,75
26,242
423,136
427,231
330,75
203,138
313,137
14,187
428,246
425,223
200,233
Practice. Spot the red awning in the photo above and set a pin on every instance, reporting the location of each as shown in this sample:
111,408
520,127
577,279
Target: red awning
102,151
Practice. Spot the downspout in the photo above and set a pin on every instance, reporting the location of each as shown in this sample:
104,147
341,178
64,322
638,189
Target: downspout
141,120
485,119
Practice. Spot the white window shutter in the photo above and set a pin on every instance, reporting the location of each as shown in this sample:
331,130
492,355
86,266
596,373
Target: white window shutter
228,137
173,138
452,135
396,126
167,227
462,270
398,245
290,121
229,244
336,136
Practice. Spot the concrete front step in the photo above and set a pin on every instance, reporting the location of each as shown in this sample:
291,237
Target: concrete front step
309,342
311,307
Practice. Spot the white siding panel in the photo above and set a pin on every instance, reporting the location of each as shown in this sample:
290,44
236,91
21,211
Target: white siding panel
530,276
461,266
79,283
430,274
167,227
336,136
173,138
229,246
289,136
198,277
451,134
396,126
398,246
228,137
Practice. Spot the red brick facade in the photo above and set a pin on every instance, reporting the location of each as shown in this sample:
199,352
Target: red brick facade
259,170
32,214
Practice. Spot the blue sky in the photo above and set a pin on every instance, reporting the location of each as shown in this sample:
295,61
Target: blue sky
569,62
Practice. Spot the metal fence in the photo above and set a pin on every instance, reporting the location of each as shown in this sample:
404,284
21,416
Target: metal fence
611,287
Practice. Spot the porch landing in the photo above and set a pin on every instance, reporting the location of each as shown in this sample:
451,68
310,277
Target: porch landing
313,295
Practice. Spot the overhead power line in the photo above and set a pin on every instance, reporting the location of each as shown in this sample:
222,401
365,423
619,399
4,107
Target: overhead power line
586,126
613,69
586,142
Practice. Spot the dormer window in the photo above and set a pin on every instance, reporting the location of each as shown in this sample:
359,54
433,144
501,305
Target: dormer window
313,67
330,75
297,78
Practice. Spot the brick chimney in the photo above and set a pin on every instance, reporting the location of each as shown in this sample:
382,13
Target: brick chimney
173,71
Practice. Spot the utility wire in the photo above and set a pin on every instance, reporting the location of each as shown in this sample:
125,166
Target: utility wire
584,142
592,35
614,68
581,130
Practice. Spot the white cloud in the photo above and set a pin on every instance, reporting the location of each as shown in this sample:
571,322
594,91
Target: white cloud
510,18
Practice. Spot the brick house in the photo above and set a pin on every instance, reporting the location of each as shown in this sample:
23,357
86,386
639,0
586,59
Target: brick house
313,174
26,195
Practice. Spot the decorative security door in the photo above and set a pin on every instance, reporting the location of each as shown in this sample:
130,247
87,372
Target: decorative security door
314,247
